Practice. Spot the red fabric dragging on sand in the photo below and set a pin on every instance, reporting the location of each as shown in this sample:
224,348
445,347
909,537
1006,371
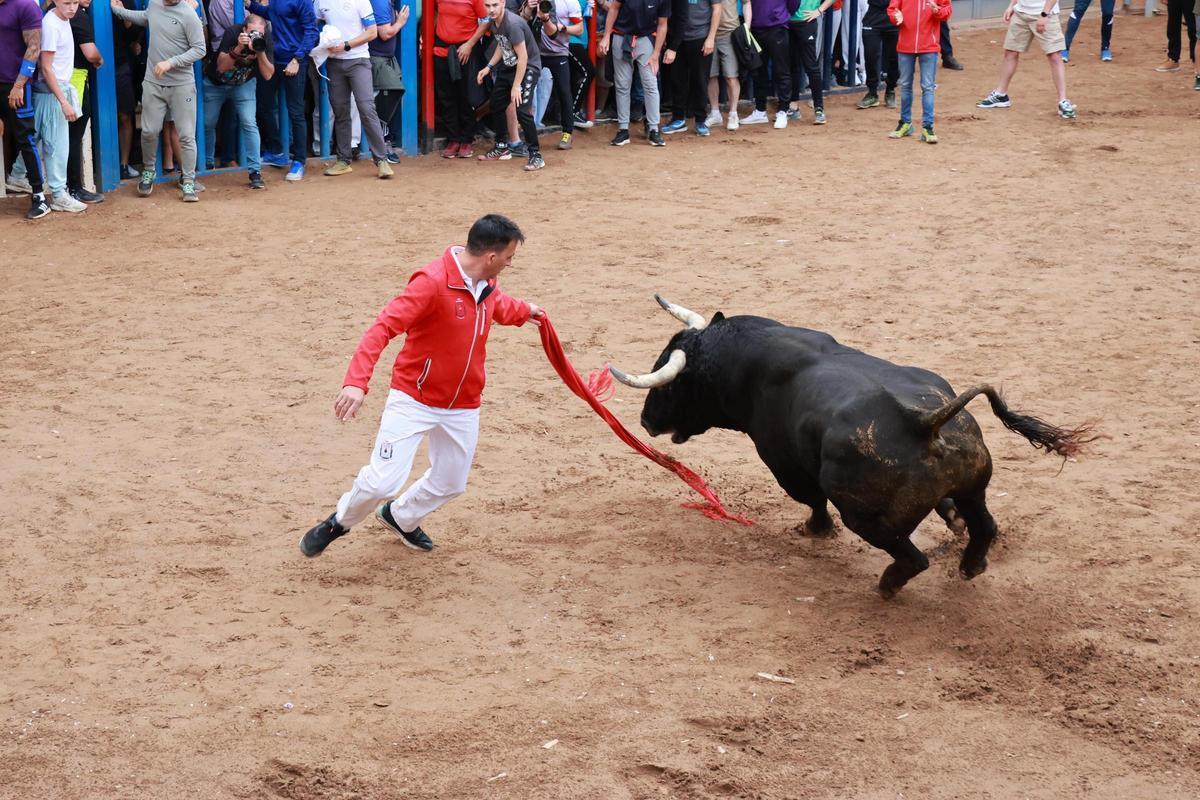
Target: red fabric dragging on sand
598,389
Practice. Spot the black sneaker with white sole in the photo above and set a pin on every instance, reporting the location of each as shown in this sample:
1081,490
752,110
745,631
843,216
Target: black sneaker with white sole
416,538
319,536
656,138
39,207
621,139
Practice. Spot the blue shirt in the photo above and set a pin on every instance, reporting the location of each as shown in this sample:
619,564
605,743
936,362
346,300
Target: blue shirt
293,26
385,14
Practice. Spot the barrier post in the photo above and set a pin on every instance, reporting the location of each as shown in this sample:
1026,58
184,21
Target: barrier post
599,68
105,106
409,139
428,122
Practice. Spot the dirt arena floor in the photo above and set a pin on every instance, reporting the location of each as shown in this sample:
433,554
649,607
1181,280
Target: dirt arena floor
168,376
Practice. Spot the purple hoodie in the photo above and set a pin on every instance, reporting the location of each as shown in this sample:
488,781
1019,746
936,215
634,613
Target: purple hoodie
773,13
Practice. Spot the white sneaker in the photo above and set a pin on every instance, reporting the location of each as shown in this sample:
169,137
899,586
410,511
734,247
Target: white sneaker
16,185
733,123
713,119
64,202
756,118
780,120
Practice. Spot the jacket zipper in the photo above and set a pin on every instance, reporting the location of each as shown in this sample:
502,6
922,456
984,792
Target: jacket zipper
424,376
474,335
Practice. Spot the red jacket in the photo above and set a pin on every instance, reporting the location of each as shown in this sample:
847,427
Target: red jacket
921,31
441,363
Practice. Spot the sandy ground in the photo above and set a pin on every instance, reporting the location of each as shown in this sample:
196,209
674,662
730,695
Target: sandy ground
167,435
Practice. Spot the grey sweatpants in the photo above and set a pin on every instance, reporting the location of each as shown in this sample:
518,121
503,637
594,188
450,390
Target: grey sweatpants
623,62
353,76
182,102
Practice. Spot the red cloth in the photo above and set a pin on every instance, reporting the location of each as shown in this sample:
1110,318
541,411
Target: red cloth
441,363
921,31
456,22
599,385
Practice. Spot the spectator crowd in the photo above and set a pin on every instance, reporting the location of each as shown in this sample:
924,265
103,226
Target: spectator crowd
502,70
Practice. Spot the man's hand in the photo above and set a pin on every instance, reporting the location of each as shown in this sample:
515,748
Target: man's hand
812,14
1008,14
669,58
1041,25
402,16
655,66
899,17
244,40
162,68
709,46
515,96
16,97
334,47
603,45
116,5
464,51
348,401
536,315
479,76
292,68
68,110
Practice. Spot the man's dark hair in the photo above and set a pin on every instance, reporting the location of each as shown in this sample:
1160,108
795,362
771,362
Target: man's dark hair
492,233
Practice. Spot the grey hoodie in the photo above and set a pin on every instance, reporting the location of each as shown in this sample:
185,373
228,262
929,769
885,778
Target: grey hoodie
176,35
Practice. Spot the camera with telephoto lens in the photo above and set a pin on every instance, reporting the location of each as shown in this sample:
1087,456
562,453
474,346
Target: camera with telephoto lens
258,42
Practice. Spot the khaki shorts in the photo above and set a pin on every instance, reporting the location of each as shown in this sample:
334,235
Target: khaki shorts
1023,30
724,60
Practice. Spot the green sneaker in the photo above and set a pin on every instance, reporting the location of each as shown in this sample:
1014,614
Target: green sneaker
903,129
927,135
146,183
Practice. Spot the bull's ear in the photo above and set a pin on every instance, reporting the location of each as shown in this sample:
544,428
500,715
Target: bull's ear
717,317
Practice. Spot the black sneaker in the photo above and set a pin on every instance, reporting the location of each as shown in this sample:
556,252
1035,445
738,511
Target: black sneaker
84,196
146,183
581,120
889,98
39,208
416,538
656,138
128,173
621,139
256,181
392,157
319,536
950,62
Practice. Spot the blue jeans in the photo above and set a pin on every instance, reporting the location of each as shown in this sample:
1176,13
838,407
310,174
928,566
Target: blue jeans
52,137
908,63
245,103
1106,21
541,95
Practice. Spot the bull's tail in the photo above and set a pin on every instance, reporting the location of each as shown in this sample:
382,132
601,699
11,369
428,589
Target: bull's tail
1067,442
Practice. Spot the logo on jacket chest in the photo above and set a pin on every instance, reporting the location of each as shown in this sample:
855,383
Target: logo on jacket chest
460,308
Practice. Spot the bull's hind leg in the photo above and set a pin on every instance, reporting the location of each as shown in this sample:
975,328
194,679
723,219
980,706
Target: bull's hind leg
804,490
982,530
949,513
819,524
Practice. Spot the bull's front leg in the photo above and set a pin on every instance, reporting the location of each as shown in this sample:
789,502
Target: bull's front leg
819,524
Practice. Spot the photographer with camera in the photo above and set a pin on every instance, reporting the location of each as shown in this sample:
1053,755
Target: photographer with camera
557,21
230,75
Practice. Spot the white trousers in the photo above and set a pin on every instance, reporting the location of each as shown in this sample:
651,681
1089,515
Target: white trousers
453,434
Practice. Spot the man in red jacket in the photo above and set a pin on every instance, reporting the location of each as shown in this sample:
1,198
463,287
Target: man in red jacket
920,23
446,312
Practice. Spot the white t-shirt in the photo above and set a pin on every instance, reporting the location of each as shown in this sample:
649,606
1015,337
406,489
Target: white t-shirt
351,17
56,37
1033,7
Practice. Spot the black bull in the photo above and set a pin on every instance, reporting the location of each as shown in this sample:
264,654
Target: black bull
885,444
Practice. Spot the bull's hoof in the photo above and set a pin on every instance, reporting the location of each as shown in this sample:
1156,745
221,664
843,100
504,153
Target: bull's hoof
970,570
818,531
887,591
957,525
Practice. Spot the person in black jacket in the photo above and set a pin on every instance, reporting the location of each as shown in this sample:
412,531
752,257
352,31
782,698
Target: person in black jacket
879,51
691,37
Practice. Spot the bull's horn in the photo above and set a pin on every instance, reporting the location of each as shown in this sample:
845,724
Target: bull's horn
686,316
660,377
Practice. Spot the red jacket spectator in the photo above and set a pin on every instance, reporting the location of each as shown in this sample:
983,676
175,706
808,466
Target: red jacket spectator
441,363
921,28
